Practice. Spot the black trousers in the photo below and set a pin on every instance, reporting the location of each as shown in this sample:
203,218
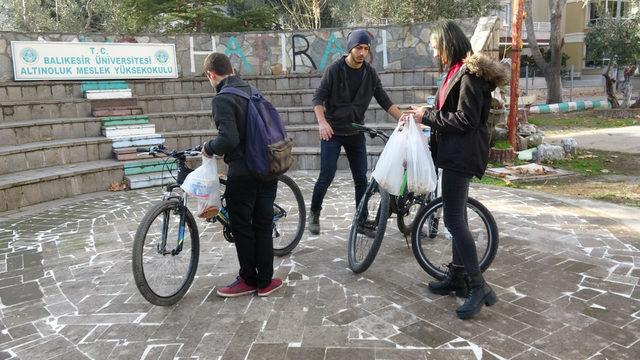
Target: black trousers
355,147
455,191
250,205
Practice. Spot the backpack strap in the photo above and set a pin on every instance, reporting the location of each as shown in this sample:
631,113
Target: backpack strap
236,91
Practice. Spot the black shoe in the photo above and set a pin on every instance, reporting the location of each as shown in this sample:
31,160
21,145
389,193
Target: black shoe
480,293
314,222
453,282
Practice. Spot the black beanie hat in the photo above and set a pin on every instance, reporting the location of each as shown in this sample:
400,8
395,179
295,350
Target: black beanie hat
356,38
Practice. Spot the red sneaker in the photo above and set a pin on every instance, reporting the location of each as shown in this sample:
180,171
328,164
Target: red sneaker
274,285
237,288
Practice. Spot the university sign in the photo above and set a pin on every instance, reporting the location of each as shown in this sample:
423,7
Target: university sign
37,60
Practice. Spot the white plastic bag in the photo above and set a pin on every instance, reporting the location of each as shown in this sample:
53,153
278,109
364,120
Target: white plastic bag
204,185
421,173
390,169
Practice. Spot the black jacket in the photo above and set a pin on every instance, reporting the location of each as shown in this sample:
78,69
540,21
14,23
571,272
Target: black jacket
340,109
229,114
460,137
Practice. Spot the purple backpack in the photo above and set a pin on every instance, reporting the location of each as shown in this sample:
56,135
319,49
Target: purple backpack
267,149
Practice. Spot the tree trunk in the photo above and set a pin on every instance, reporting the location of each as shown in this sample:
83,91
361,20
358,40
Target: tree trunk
611,94
551,69
554,85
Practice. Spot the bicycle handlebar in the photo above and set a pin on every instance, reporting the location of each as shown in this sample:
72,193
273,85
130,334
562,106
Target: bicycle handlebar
373,133
153,150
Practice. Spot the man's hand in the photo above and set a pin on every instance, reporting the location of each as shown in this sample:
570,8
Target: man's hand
418,114
326,132
204,152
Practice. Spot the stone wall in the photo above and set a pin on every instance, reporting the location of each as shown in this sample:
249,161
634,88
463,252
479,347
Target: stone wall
269,53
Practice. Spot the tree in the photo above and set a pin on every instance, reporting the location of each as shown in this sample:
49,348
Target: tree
404,12
58,15
617,39
178,16
303,14
550,69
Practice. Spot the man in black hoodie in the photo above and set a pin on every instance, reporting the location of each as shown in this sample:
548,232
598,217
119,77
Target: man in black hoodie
249,200
342,98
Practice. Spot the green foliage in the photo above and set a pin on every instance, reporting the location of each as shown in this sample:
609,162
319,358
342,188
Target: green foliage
584,163
580,121
502,144
614,38
405,12
180,16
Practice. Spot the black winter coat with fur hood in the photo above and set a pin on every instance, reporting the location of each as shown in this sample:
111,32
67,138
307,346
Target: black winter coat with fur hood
459,134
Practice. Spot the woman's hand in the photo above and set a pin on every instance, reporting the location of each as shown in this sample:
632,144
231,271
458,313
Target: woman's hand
417,113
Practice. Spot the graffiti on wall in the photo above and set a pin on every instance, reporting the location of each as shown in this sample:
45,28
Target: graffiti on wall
297,52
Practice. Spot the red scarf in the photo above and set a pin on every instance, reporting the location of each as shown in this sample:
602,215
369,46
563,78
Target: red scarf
443,88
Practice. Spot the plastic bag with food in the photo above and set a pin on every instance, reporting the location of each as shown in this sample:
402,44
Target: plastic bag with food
203,184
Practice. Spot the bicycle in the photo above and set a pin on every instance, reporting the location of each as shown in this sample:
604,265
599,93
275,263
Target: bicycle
427,245
167,242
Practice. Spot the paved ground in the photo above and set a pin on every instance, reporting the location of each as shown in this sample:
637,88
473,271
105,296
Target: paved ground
624,139
566,274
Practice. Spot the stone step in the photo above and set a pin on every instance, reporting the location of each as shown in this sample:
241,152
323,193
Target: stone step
24,132
108,94
24,110
36,155
418,77
103,85
117,111
124,120
201,120
30,187
137,141
279,98
128,130
104,104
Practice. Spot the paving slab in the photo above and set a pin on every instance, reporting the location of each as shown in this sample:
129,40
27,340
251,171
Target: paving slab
567,276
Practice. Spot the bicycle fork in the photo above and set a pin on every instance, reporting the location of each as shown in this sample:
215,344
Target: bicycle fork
162,245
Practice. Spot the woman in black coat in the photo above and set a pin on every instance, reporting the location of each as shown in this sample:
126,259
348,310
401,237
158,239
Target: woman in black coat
460,146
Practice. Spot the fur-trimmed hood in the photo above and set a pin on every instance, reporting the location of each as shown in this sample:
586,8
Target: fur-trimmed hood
485,68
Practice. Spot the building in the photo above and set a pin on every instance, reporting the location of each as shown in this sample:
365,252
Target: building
576,18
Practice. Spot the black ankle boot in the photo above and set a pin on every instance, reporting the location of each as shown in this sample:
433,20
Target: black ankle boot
454,281
314,222
480,293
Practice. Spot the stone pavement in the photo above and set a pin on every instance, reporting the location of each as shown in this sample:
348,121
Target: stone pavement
623,139
566,274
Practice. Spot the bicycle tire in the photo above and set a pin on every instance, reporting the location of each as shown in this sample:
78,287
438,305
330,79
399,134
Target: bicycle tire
142,280
432,247
286,246
380,222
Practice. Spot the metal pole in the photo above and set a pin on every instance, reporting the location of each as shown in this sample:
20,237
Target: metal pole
571,89
526,80
516,46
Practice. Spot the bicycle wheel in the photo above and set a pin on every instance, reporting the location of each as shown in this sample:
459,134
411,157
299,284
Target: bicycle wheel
289,216
432,243
406,219
367,228
164,272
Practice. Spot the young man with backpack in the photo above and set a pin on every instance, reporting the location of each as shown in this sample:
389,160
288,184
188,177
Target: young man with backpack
342,98
249,197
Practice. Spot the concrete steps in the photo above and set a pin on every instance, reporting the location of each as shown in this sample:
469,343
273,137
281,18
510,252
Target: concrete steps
36,155
23,132
30,187
279,98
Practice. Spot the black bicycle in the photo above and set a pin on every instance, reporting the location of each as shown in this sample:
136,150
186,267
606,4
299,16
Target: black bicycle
418,216
167,242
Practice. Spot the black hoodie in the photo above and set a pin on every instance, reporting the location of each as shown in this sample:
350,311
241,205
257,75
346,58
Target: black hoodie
333,93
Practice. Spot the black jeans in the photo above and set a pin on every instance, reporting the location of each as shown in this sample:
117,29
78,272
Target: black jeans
356,149
455,191
250,205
